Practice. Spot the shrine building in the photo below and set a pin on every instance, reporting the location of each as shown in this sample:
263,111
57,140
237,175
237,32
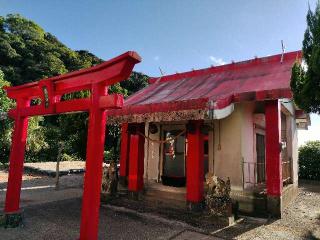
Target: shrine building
235,121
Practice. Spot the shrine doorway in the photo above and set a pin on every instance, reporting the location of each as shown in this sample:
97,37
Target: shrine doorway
174,155
174,158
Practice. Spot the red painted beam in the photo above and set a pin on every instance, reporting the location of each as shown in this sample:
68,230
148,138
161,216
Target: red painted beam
273,151
113,101
107,73
195,162
75,105
27,91
27,111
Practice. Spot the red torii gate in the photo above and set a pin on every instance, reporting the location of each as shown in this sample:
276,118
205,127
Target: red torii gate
95,79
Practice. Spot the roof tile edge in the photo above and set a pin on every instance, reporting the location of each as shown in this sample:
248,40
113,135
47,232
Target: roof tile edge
230,66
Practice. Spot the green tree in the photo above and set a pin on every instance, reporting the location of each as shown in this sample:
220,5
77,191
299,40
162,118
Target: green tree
136,82
5,123
305,79
309,160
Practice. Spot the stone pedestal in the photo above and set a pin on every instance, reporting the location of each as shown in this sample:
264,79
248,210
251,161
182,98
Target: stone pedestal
219,206
274,206
123,181
135,195
196,206
12,220
222,221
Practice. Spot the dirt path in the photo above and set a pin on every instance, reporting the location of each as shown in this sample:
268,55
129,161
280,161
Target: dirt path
37,189
4,177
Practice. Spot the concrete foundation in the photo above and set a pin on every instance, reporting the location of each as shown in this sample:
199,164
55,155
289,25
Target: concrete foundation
274,206
250,203
123,181
196,207
135,195
289,193
13,220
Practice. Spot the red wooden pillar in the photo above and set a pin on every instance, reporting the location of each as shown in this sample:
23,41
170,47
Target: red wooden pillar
195,164
94,161
16,160
136,159
273,159
124,152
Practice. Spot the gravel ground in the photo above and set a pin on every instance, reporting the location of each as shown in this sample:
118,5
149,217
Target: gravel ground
4,176
49,168
61,221
301,220
55,214
38,189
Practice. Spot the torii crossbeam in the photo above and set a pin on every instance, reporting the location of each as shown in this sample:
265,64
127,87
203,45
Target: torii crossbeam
95,79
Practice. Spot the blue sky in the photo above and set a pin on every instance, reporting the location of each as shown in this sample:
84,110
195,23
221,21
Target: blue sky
176,35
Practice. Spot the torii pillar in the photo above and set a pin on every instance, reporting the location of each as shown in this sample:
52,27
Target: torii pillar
17,153
95,79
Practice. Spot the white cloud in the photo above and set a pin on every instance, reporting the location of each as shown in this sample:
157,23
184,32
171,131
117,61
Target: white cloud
217,61
156,58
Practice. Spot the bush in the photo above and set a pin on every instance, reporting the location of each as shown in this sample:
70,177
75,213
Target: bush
309,161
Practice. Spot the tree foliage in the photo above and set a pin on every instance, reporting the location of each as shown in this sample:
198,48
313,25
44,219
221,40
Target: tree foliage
27,54
305,79
5,123
309,161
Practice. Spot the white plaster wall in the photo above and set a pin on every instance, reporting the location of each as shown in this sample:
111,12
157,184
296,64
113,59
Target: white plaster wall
247,142
292,139
227,159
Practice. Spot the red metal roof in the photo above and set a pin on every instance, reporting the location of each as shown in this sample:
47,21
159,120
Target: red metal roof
256,79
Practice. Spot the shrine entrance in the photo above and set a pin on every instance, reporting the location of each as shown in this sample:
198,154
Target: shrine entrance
174,158
96,80
175,152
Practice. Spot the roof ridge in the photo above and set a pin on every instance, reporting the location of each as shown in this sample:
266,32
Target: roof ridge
230,66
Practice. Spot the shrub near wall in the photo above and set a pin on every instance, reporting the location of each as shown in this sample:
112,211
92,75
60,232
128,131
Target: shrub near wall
309,161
